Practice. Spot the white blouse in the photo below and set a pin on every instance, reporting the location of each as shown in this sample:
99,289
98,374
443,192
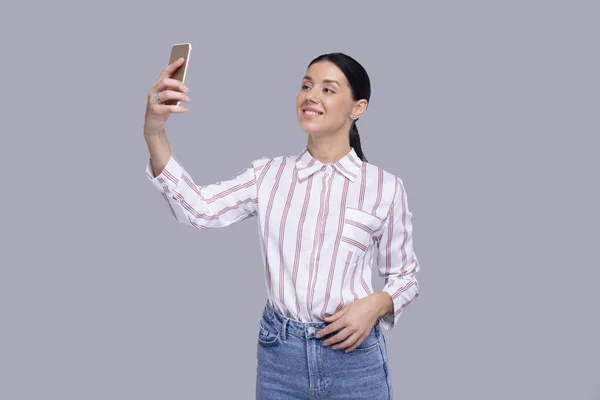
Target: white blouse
322,228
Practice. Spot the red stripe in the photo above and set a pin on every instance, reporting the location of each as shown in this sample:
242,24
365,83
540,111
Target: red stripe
359,225
354,243
325,213
379,191
195,225
262,174
355,161
335,247
282,236
170,176
191,184
403,289
299,243
410,301
267,217
301,155
403,269
310,164
352,283
342,284
388,247
311,270
363,184
231,190
207,217
321,239
340,166
364,284
222,194
403,247
399,310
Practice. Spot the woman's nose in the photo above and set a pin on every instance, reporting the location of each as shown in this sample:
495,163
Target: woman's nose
311,98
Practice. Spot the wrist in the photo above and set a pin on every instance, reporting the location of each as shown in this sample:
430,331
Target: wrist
152,134
384,303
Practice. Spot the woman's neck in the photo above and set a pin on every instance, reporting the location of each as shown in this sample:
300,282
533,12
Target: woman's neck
328,151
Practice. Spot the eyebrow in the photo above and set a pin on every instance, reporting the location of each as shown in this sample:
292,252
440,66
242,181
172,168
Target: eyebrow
324,80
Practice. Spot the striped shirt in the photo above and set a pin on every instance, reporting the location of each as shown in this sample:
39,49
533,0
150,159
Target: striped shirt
323,227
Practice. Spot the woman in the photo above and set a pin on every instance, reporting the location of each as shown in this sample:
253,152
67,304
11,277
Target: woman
325,217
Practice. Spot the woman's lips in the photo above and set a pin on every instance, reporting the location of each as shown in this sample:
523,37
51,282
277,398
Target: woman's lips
309,114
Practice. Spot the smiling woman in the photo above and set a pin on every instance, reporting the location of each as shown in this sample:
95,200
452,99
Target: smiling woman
327,217
337,85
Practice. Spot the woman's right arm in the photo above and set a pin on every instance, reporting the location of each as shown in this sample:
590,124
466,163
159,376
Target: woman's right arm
160,151
158,113
210,206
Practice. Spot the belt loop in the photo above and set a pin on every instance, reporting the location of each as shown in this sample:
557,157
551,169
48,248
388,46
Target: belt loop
269,313
283,328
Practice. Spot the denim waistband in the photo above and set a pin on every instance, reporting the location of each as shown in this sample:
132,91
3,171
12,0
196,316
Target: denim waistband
286,325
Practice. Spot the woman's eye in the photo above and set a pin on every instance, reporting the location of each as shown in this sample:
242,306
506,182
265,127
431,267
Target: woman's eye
330,91
305,87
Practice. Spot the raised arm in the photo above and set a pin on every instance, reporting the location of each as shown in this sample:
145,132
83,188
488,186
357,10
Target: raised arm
210,206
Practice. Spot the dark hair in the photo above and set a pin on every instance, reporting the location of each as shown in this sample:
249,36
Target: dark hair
359,83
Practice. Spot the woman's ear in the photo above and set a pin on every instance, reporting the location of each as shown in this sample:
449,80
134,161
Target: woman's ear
360,107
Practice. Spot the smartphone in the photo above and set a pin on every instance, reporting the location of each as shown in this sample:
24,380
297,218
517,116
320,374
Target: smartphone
177,51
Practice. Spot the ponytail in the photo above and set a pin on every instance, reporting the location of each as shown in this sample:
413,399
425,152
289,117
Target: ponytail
355,141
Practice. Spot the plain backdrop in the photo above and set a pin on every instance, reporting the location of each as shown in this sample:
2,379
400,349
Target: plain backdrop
488,111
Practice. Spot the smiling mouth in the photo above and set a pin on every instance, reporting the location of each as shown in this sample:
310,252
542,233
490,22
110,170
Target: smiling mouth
312,113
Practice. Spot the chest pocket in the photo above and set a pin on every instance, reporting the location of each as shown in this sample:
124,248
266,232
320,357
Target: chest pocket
359,227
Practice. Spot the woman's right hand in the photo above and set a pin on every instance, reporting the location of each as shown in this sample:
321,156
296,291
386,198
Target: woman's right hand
157,113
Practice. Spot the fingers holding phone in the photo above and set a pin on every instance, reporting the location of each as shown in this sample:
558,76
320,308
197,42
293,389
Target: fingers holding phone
169,90
177,68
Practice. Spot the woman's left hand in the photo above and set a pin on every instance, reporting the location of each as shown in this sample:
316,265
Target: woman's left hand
356,321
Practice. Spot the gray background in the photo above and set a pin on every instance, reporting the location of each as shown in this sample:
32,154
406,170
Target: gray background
488,111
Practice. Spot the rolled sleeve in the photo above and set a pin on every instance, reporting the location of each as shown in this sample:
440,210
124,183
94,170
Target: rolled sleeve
169,177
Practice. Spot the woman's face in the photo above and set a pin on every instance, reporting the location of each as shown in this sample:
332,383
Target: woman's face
324,104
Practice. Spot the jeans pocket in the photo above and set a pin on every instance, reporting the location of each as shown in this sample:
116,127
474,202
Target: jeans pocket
370,344
268,335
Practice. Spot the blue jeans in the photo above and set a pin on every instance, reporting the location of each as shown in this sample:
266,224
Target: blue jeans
293,364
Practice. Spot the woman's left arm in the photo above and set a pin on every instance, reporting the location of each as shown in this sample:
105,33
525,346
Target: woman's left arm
398,264
396,259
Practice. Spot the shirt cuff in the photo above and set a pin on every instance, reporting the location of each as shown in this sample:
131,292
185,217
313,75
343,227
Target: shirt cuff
388,321
169,177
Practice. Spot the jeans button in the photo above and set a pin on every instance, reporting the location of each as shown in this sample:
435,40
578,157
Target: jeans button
311,330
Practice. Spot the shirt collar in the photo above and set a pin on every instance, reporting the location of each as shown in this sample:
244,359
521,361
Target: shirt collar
349,165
